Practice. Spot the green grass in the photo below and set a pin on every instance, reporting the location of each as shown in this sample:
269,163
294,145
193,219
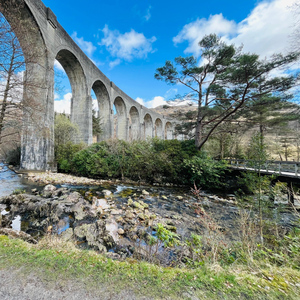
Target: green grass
53,260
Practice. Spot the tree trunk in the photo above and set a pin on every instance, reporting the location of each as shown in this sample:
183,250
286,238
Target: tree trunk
199,125
5,96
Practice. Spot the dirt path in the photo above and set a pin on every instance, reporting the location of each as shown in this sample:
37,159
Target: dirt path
14,285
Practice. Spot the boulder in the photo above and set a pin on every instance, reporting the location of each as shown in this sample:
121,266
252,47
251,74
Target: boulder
137,205
18,234
96,235
143,204
130,202
129,215
107,193
73,197
145,193
112,229
67,235
121,231
79,211
102,203
49,188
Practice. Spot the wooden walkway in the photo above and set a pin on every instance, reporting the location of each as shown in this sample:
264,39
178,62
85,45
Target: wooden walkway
280,168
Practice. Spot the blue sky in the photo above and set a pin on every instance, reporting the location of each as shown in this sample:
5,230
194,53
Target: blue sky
129,39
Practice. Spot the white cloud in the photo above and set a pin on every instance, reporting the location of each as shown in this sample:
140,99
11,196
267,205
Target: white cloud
56,96
87,47
95,105
265,31
58,66
193,32
114,63
156,101
140,100
159,100
63,105
148,14
126,46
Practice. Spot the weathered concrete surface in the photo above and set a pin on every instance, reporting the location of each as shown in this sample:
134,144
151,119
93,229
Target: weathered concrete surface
134,121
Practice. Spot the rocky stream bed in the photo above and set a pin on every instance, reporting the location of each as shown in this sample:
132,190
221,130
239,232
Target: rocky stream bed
113,218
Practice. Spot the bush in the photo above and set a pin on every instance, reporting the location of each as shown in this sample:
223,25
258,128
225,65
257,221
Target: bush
64,154
153,160
205,171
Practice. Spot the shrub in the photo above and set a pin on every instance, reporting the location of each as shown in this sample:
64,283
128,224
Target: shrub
205,171
64,154
153,160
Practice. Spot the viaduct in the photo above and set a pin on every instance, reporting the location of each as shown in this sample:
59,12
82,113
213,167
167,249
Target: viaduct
40,33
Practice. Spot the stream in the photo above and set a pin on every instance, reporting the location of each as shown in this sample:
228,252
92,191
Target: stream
116,215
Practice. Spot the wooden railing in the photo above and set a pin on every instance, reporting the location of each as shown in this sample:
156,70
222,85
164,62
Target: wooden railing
283,168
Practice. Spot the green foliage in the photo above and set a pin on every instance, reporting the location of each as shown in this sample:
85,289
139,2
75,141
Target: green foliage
64,154
19,191
96,123
151,161
64,130
205,171
195,248
169,238
223,81
64,148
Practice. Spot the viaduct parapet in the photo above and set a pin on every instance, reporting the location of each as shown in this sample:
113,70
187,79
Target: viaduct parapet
51,42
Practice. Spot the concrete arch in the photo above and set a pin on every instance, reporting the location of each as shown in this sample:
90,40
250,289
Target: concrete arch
104,109
134,124
121,121
158,128
37,148
168,131
81,106
148,126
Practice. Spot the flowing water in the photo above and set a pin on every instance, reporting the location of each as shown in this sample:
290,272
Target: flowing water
10,181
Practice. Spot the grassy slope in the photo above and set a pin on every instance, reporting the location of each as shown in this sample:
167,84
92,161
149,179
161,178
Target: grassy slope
53,260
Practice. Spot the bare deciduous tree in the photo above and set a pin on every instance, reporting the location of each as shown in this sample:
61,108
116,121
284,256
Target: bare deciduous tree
14,73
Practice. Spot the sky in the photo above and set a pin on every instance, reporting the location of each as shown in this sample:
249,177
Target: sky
128,40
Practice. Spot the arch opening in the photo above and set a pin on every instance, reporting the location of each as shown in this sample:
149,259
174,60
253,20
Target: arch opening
134,128
120,119
104,110
148,126
159,129
81,103
168,131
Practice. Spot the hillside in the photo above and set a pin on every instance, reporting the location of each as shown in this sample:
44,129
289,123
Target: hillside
283,142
